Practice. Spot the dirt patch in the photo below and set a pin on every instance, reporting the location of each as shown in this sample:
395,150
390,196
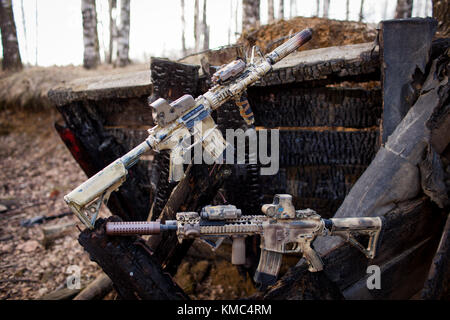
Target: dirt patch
327,33
36,170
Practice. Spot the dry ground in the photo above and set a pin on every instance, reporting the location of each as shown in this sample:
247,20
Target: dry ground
36,170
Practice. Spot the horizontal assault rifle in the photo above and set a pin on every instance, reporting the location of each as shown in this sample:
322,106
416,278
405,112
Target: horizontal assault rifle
178,121
282,229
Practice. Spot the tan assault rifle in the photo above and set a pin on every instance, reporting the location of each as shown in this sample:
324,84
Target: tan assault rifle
282,229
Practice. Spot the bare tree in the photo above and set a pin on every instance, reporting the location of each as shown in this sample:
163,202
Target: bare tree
36,34
205,28
11,55
317,7
385,9
24,26
250,14
112,29
326,6
230,22
123,39
347,10
196,25
361,11
293,8
91,56
183,29
236,20
404,9
270,11
281,10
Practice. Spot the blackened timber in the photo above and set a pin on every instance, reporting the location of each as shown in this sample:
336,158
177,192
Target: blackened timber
320,187
197,189
314,286
129,263
171,80
394,174
303,147
333,63
131,201
294,106
403,60
400,278
437,285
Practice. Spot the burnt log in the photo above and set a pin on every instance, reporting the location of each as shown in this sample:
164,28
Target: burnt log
403,59
394,174
315,107
356,62
327,147
129,263
312,286
437,285
171,80
321,187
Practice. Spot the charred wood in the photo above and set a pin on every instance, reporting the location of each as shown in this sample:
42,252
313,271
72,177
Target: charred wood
129,263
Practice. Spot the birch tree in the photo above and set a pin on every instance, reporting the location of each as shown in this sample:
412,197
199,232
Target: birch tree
403,9
196,25
112,29
11,55
183,29
270,11
317,8
347,10
361,11
250,14
91,57
281,10
293,8
205,28
326,6
123,39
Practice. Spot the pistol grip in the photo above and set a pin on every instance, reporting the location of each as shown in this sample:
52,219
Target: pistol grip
268,267
176,170
315,263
